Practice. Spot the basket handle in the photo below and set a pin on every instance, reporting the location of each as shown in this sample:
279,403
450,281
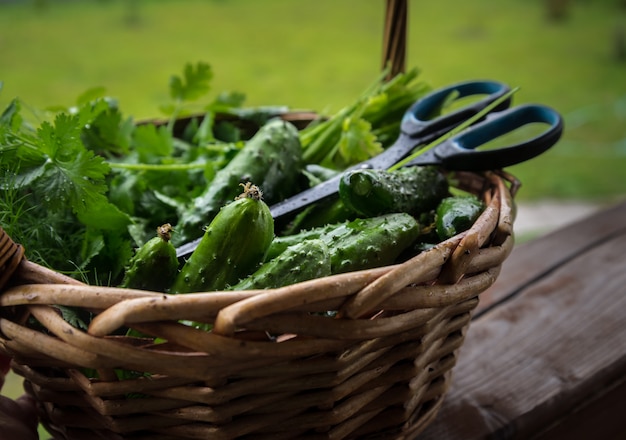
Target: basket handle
395,36
15,266
11,255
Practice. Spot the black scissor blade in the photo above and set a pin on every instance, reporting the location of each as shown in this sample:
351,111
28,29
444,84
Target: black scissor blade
400,149
305,198
187,249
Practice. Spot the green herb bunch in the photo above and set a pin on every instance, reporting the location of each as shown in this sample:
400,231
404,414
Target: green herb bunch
82,186
363,129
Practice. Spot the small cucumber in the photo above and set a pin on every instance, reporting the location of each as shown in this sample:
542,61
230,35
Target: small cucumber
370,242
232,247
303,261
457,214
154,266
272,159
360,243
282,243
412,190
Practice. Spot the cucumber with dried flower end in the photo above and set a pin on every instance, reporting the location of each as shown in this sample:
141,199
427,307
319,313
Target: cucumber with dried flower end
154,266
302,261
412,190
272,159
457,214
232,247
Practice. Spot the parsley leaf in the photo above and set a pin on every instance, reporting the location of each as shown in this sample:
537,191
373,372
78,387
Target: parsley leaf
72,176
61,187
108,133
357,142
194,83
152,143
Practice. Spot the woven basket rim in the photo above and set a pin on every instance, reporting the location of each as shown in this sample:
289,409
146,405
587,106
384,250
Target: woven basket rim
469,260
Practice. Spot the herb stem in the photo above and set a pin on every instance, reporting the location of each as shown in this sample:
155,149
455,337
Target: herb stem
157,167
174,115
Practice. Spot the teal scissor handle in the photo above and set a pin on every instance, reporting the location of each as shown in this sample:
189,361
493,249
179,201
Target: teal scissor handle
460,152
420,119
422,124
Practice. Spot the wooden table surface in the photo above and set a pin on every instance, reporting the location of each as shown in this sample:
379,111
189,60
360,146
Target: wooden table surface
545,357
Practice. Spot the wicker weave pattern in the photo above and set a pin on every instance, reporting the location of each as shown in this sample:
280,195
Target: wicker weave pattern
380,368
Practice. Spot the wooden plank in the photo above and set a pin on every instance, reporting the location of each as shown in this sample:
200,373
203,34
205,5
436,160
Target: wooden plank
594,420
551,337
530,260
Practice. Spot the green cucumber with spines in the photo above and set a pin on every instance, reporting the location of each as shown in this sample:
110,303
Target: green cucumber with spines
272,159
232,247
282,243
154,265
412,190
457,214
302,261
362,243
365,243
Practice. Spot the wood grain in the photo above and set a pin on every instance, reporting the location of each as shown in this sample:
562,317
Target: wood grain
550,340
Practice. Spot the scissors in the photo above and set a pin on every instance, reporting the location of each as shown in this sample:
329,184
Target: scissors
457,153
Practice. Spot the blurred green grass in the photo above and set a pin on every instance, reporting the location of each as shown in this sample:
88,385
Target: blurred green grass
321,55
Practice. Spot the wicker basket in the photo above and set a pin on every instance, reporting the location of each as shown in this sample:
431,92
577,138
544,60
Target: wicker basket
276,364
380,368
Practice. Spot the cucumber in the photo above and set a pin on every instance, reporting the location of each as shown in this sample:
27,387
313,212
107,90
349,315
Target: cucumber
272,159
282,243
370,242
154,265
457,214
232,246
412,190
361,243
303,261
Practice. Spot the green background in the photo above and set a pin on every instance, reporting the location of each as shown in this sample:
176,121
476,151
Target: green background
320,55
